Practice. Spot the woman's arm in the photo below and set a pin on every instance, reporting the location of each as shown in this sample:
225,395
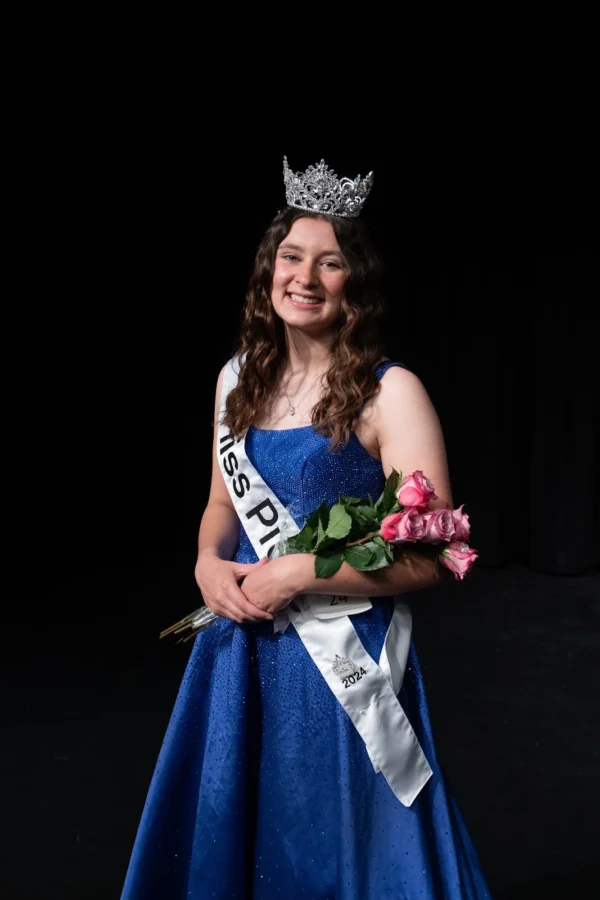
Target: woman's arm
409,432
413,570
410,438
220,525
219,531
273,586
216,575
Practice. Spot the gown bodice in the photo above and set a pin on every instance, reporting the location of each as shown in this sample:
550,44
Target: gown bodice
299,467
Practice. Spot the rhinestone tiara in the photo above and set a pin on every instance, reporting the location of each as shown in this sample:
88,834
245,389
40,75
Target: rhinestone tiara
320,190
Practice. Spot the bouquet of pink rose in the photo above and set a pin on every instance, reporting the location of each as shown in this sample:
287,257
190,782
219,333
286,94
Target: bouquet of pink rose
364,533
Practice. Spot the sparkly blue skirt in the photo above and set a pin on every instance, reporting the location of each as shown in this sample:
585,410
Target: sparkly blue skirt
263,788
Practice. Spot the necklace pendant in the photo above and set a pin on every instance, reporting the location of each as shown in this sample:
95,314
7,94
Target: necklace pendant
292,410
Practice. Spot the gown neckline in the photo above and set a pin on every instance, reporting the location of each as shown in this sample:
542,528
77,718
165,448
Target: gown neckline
304,427
353,436
275,430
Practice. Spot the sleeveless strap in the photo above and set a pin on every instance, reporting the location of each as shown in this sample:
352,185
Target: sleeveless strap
382,368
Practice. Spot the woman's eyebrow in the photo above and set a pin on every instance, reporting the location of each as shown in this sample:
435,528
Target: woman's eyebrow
301,249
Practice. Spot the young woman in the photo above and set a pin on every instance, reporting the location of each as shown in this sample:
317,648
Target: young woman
270,784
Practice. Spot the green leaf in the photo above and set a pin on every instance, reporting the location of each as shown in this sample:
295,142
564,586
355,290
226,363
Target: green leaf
373,545
358,557
369,514
320,514
327,563
364,522
320,533
379,561
324,541
388,497
359,529
388,548
339,522
357,515
305,537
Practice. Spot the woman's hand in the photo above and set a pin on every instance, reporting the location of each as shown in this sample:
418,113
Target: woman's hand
273,586
218,581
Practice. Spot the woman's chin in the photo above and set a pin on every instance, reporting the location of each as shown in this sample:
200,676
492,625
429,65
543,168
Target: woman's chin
311,321
300,323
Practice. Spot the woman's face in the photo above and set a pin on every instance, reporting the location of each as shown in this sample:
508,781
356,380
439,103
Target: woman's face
309,277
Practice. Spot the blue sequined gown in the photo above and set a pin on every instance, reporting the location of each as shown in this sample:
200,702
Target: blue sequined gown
263,788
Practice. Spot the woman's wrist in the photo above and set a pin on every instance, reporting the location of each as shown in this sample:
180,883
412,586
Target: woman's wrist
208,551
298,572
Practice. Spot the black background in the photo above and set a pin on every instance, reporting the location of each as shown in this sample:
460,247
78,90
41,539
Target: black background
124,283
124,267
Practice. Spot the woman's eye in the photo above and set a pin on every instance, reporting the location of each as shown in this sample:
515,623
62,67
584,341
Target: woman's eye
331,265
289,256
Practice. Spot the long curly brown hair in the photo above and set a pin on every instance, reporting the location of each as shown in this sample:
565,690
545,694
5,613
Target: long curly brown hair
350,380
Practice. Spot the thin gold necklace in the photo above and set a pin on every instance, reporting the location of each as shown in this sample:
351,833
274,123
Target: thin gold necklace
292,409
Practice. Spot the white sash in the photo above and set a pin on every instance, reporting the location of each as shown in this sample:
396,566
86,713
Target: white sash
366,690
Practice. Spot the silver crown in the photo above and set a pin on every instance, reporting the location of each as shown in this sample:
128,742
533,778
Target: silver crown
320,190
342,667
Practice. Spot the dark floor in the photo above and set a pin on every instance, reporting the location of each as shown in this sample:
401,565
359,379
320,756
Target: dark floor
512,666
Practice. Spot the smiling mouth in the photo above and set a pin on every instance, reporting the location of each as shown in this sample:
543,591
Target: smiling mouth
307,301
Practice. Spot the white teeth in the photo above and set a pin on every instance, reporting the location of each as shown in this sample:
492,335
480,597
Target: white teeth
307,300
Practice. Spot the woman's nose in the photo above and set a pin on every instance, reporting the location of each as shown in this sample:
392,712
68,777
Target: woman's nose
306,274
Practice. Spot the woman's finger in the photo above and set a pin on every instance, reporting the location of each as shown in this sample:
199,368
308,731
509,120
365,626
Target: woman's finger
242,569
241,603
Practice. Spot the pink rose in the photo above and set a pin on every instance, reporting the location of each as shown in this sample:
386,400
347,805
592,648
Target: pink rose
461,524
404,526
415,490
439,526
459,558
389,528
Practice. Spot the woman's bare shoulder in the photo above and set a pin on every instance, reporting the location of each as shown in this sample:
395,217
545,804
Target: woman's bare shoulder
399,384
